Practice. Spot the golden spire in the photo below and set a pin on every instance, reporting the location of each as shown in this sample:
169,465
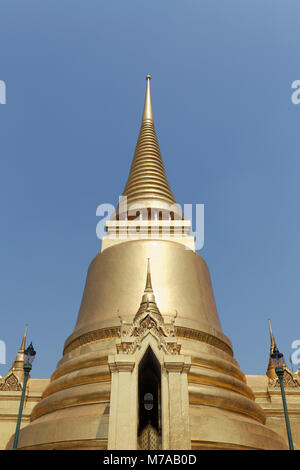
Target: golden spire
148,302
272,340
147,181
23,344
148,280
148,113
19,361
147,207
271,369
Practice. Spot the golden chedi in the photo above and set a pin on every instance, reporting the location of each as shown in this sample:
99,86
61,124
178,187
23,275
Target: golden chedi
148,365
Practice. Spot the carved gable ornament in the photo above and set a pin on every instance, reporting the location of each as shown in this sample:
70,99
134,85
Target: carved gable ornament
133,334
290,380
10,384
148,321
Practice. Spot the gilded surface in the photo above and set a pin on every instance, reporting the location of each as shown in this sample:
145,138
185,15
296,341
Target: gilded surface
115,281
217,403
147,320
147,179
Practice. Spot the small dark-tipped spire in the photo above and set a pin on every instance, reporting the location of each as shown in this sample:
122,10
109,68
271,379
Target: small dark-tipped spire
271,369
272,339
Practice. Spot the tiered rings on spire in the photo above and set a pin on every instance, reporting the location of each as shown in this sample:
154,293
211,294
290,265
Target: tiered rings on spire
147,178
147,208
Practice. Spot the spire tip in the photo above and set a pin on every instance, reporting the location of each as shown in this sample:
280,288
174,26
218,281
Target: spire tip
148,279
23,344
148,113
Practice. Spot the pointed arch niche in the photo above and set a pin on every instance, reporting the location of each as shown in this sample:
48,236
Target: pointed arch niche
149,402
148,361
128,371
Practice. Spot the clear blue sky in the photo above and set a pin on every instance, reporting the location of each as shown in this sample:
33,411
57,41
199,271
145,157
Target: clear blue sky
228,132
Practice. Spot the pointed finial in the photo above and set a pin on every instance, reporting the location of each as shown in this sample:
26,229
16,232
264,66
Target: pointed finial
148,113
23,344
272,339
148,280
147,183
18,364
271,369
148,300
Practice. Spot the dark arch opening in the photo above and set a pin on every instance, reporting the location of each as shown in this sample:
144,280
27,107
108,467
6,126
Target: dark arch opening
149,387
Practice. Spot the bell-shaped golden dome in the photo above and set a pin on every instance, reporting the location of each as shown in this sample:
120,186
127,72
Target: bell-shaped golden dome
77,408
